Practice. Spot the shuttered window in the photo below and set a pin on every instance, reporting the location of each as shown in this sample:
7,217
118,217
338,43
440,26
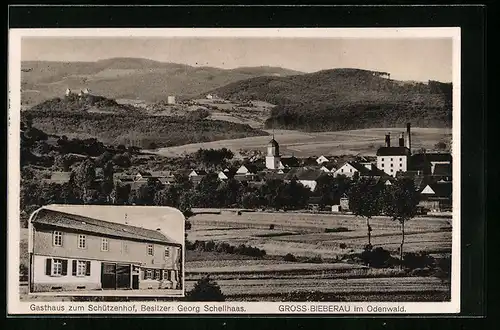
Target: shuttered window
150,249
82,241
56,267
80,268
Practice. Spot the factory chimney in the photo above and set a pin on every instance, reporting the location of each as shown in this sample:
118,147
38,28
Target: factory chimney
388,140
402,140
408,136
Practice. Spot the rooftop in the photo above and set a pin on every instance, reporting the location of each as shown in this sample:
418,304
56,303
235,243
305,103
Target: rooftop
393,151
77,222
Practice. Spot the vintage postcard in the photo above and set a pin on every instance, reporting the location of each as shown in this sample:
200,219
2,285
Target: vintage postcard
234,171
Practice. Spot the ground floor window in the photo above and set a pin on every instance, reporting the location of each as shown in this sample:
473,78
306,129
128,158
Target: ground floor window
81,268
56,267
157,274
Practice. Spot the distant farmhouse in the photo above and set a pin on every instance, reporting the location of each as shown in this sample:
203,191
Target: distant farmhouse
70,252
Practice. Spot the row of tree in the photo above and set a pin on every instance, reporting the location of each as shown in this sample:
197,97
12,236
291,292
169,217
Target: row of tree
369,198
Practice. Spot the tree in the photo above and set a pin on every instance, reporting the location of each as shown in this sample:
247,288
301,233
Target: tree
270,193
441,145
401,204
229,193
205,289
294,195
85,175
103,158
120,194
167,196
365,201
145,194
325,189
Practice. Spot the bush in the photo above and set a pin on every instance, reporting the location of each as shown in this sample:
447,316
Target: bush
378,258
421,272
209,246
271,226
289,257
315,260
443,268
413,260
336,230
311,296
205,290
187,225
342,245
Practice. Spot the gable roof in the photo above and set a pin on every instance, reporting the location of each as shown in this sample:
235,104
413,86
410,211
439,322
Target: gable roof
306,174
440,189
393,151
431,157
90,225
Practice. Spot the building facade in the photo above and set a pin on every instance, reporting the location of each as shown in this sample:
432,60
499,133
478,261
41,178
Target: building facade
70,252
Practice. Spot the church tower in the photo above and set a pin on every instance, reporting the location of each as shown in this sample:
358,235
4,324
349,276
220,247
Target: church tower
273,155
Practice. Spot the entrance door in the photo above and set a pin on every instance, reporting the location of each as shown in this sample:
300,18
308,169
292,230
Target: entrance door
122,276
108,276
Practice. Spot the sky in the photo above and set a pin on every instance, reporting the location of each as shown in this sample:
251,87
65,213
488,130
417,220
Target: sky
419,59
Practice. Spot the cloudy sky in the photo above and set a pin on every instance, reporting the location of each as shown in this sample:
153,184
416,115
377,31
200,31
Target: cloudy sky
406,59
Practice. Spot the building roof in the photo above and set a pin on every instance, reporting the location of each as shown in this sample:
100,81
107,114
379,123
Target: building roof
289,161
306,174
431,157
393,151
91,225
273,142
442,169
60,176
441,189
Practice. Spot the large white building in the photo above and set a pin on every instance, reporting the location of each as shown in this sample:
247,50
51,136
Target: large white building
392,160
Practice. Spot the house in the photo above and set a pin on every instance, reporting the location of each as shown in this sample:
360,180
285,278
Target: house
322,159
439,164
68,92
72,250
328,168
393,159
350,168
171,99
209,96
344,203
197,173
59,177
309,161
306,176
247,169
437,196
142,175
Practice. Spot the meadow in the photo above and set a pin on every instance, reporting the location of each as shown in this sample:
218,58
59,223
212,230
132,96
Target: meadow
305,144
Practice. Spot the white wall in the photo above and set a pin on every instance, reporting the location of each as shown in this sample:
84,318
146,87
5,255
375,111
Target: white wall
399,163
40,277
272,162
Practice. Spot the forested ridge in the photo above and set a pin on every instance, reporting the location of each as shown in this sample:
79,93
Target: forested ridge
344,99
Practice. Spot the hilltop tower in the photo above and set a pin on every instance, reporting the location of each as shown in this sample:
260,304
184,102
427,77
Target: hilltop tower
273,155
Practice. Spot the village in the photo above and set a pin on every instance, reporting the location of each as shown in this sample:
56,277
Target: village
431,173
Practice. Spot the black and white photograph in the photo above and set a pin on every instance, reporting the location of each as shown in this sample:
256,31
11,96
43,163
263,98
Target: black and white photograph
242,167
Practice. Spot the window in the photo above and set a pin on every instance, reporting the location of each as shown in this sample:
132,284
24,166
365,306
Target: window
157,274
166,274
391,159
56,267
350,170
57,238
104,244
400,164
150,250
149,274
382,164
391,165
81,268
400,159
80,271
82,242
167,252
391,170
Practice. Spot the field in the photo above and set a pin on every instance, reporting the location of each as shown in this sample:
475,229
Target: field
246,278
302,144
304,236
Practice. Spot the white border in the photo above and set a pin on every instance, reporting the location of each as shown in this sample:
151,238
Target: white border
17,307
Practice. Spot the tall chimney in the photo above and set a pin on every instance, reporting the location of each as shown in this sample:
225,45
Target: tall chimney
388,140
402,140
408,136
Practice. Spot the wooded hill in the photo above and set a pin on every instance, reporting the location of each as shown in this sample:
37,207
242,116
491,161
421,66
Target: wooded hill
343,99
136,129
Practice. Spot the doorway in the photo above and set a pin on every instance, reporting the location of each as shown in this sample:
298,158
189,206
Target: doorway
115,276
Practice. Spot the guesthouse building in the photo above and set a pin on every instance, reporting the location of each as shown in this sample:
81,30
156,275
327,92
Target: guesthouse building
71,252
